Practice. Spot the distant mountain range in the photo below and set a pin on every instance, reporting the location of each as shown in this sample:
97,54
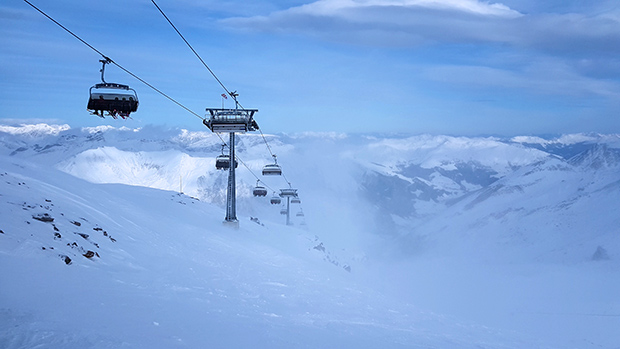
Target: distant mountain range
415,189
406,241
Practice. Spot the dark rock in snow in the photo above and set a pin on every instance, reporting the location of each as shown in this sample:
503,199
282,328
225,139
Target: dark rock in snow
257,221
66,259
319,247
89,254
1,232
43,217
600,254
76,223
85,236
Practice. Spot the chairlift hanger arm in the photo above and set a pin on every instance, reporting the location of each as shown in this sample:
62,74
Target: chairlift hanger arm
104,61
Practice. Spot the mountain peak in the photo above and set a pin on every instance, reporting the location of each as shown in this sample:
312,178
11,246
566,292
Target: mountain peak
599,156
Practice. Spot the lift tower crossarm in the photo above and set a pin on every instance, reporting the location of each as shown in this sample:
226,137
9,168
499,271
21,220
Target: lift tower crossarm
231,120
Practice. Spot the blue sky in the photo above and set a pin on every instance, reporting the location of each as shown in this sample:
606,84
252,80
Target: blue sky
463,67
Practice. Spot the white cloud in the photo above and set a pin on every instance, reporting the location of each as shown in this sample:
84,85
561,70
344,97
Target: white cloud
402,23
338,7
397,23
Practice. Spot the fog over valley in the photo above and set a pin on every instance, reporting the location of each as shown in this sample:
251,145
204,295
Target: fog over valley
114,237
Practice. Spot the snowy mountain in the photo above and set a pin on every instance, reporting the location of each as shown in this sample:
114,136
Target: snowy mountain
380,186
109,266
552,209
398,229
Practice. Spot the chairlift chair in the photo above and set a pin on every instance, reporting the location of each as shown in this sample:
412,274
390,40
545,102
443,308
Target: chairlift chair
115,99
222,162
300,214
272,169
283,211
295,200
259,190
275,200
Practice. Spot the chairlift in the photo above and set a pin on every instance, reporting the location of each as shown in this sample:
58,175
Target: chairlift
295,200
275,200
259,190
283,210
112,98
222,162
300,214
272,169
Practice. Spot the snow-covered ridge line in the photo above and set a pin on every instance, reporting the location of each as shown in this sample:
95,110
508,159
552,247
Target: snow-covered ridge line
104,128
34,130
43,129
569,139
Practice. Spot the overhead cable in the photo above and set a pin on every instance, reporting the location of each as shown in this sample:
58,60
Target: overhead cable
216,78
191,48
153,87
111,61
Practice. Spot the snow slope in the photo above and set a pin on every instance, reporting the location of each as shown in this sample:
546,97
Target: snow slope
554,210
450,241
91,265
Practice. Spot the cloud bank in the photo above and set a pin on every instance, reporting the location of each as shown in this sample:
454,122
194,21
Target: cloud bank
403,23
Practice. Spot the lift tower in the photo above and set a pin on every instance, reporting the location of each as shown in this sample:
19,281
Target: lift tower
238,120
288,193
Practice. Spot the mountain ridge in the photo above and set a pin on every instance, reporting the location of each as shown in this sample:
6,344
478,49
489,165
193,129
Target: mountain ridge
405,180
463,230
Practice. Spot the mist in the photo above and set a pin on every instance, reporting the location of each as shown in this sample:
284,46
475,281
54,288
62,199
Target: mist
432,241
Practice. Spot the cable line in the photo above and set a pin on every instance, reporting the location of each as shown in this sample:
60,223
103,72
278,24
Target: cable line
111,61
272,154
218,80
244,164
68,31
191,48
253,174
157,90
267,144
